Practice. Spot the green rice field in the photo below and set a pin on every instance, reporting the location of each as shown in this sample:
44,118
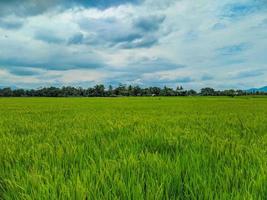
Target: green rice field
133,148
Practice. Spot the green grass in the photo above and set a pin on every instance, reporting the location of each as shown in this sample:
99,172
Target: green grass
133,148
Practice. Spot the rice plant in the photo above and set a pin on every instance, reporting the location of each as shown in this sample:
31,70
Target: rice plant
133,148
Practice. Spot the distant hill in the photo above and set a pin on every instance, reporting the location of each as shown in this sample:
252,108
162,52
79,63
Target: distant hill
262,89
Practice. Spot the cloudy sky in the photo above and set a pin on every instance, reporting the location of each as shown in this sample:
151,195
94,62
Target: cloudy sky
218,43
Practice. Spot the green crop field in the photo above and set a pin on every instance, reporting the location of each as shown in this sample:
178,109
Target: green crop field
133,148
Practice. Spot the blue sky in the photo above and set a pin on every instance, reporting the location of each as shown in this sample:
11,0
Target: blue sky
196,44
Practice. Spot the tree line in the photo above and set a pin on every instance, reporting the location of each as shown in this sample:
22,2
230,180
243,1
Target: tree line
121,90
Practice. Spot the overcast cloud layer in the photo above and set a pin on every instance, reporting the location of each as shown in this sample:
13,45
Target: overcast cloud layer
215,43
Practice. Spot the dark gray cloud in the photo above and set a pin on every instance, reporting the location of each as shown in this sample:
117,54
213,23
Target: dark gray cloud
229,60
233,49
149,23
144,42
126,38
35,7
107,32
78,38
238,9
48,37
11,22
262,24
102,4
57,61
148,65
191,36
207,77
112,32
186,79
248,74
22,71
218,26
26,7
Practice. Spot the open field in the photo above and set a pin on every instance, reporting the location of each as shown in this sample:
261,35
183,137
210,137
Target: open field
133,148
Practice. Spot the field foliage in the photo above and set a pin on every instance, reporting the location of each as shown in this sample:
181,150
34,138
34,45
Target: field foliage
133,148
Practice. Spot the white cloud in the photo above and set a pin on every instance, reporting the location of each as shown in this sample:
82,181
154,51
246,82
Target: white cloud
108,45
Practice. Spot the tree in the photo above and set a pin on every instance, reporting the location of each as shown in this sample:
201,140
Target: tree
155,91
121,90
180,91
207,92
191,93
99,90
89,92
19,93
130,90
167,91
137,91
6,92
240,92
110,90
230,93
